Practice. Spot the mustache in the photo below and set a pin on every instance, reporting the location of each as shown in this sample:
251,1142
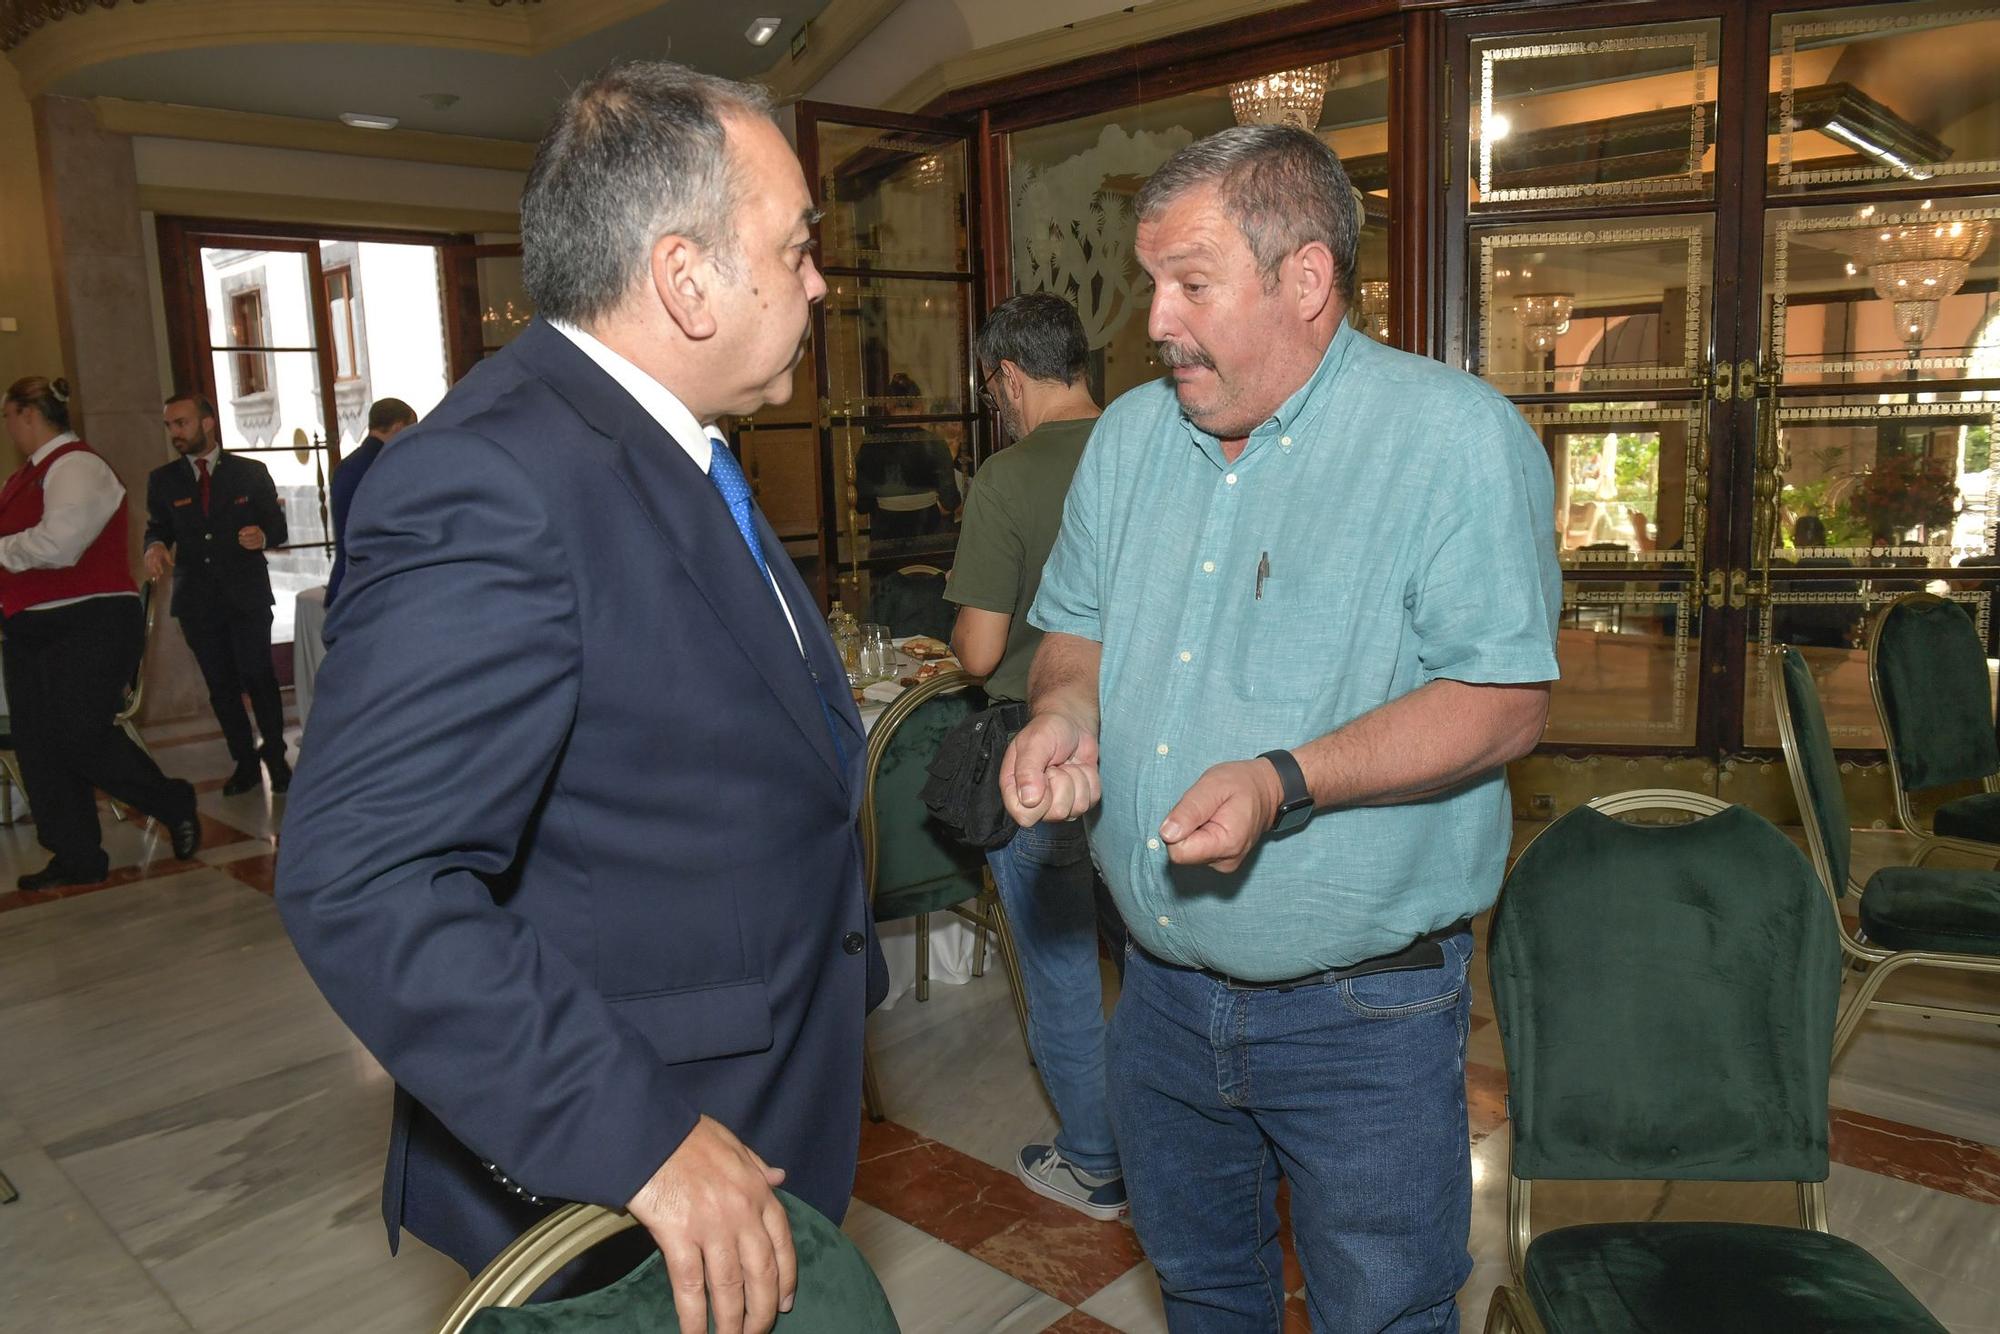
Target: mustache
1176,357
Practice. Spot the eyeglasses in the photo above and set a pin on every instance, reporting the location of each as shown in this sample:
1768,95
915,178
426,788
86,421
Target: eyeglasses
986,389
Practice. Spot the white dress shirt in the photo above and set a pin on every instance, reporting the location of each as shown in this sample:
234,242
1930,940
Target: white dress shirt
664,407
80,494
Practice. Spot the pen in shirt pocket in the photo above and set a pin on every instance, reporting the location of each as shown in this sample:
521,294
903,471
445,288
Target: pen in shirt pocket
1263,572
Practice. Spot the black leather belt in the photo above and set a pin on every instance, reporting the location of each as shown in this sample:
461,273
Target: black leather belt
1426,951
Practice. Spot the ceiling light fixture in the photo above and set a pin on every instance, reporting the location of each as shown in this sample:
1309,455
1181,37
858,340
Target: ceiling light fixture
1292,97
761,31
361,120
1496,127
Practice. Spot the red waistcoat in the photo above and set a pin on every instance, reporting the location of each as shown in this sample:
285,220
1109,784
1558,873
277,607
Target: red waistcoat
104,567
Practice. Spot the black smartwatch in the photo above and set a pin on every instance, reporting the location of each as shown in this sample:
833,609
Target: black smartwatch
1297,806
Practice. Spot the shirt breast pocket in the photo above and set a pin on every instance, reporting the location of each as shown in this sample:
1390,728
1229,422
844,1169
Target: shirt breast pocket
1280,656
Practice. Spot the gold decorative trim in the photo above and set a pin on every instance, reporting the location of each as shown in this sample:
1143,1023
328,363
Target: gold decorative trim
1691,234
1866,414
1696,40
1781,275
163,120
1879,26
252,207
1681,598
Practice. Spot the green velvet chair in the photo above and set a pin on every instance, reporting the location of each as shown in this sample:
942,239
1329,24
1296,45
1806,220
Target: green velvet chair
1911,917
1666,997
912,866
837,1293
911,601
1927,667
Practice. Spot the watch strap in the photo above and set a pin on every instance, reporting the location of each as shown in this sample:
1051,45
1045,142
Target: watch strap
1296,796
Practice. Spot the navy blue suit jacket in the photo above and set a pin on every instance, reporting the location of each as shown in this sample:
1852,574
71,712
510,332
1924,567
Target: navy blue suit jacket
340,499
572,844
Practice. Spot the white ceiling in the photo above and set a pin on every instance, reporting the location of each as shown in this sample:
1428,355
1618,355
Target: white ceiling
500,96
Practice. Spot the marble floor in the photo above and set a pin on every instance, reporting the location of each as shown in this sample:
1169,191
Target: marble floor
197,1141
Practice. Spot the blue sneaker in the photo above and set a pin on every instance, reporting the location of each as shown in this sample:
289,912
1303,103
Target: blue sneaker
1049,1174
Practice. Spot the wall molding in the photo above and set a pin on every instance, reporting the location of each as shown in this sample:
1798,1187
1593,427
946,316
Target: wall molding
165,120
248,206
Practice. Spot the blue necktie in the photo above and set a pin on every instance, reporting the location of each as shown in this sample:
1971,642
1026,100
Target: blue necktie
727,474
728,477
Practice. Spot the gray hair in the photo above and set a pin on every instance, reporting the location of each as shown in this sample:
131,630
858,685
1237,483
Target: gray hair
1281,186
637,153
1040,333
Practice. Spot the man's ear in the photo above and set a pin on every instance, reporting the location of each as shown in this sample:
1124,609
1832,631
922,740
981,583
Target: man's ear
683,280
1316,278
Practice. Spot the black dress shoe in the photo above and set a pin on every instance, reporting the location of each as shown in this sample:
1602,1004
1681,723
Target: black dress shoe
53,876
246,779
187,837
281,774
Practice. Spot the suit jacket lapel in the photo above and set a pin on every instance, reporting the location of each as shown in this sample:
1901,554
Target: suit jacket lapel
827,669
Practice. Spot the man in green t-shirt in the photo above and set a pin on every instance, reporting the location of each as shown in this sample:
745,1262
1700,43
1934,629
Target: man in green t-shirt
1032,357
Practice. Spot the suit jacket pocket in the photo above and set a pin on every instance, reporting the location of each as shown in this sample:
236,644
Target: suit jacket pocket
702,1023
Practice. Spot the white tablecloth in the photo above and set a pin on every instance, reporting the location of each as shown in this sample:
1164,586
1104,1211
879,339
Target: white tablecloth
950,938
308,645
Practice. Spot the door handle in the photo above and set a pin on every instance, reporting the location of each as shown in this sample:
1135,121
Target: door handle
1739,589
1723,382
1717,598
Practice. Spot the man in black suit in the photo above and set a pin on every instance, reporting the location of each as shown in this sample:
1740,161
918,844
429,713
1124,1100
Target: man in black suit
573,846
209,518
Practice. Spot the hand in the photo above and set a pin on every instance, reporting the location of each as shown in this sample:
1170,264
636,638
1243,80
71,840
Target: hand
711,1212
1050,771
1218,820
158,560
251,537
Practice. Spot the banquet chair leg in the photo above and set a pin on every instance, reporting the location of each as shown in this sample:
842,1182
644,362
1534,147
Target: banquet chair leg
871,1091
979,948
6,801
1003,936
923,956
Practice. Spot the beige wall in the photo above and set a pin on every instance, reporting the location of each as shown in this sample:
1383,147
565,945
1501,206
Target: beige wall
188,164
924,33
27,281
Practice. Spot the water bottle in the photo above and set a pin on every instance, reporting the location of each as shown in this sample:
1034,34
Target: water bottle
846,632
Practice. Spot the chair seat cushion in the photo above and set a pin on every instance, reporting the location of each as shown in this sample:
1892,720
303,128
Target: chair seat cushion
930,896
1976,817
1920,908
1718,1278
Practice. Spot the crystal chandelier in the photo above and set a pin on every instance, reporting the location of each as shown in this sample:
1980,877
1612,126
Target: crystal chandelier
1544,318
1375,309
1289,97
1915,266
929,172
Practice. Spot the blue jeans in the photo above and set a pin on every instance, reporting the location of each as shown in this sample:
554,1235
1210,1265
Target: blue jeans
1047,886
1353,1091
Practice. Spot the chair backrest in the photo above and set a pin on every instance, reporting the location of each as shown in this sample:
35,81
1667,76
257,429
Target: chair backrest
1928,669
135,689
1815,772
908,857
1666,999
837,1294
911,601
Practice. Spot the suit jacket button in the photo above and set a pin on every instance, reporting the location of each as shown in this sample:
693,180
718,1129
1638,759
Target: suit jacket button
853,942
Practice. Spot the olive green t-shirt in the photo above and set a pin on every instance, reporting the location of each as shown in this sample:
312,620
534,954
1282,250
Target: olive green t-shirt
1012,515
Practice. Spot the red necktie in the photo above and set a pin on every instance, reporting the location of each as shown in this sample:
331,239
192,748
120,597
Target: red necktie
201,466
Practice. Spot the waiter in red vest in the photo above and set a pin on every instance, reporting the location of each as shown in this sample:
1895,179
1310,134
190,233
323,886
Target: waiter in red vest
73,633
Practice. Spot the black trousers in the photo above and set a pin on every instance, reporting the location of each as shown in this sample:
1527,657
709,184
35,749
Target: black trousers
234,650
66,670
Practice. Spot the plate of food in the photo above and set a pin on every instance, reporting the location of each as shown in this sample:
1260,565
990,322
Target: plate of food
924,672
924,649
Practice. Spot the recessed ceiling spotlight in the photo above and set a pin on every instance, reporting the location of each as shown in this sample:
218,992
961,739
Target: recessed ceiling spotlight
438,101
761,31
361,120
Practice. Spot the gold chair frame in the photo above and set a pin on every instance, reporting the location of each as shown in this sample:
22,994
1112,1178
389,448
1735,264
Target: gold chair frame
1880,964
128,713
1510,1308
533,1258
987,916
1928,841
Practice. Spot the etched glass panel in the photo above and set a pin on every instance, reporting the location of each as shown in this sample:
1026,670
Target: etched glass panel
1625,113
897,345
1628,650
893,199
1883,291
1594,306
1891,94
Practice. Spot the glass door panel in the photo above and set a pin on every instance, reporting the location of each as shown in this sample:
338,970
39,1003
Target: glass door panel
1630,655
1612,114
1885,95
894,199
1630,481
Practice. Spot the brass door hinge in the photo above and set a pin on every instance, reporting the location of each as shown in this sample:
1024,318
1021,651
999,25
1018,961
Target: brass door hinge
1723,382
1717,598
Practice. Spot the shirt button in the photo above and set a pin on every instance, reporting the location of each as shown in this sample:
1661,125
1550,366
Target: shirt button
1166,921
1231,479
1186,656
853,941
1153,844
1161,748
1286,442
1208,567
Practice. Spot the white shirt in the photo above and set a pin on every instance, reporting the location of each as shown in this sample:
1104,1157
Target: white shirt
80,494
208,458
664,407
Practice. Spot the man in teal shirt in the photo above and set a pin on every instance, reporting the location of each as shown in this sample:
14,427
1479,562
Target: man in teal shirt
1301,613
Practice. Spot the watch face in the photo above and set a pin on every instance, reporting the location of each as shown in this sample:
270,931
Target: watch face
1292,817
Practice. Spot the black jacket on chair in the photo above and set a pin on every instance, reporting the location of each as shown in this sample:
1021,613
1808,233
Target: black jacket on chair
213,574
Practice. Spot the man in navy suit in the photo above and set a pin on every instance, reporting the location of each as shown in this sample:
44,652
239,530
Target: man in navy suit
572,844
387,419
